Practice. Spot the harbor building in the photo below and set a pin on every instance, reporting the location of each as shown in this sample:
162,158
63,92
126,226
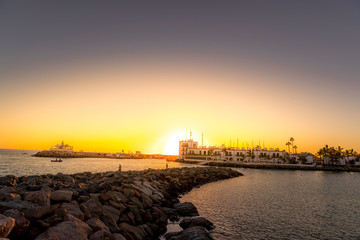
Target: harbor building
190,150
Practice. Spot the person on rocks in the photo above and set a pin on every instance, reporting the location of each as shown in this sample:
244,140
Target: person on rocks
119,167
167,166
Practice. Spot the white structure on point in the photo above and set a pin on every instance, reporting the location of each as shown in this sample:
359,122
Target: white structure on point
62,147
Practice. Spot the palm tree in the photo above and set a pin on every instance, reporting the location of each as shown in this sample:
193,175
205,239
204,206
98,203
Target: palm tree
292,144
288,144
295,147
340,152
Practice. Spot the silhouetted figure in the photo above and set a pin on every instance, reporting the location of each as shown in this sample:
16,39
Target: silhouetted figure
119,167
166,166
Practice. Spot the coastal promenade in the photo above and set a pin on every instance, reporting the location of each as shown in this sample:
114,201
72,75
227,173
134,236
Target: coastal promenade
273,166
111,205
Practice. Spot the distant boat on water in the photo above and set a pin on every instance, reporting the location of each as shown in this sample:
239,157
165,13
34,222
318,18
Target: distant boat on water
57,160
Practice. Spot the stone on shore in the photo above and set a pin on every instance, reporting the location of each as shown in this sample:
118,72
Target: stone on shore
61,196
6,225
41,197
96,225
71,229
135,232
186,209
198,221
21,223
194,233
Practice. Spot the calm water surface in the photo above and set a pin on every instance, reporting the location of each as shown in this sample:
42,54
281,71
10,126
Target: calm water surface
273,204
19,164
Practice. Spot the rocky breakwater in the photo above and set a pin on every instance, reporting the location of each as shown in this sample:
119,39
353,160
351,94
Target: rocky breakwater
111,205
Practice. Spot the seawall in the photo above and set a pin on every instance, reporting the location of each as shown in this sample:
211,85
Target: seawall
112,205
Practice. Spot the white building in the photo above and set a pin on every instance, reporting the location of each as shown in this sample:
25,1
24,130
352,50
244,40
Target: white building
190,149
308,156
62,147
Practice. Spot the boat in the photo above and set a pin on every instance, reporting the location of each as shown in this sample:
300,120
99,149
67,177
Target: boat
57,160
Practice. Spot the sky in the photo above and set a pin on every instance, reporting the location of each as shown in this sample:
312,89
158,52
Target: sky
139,75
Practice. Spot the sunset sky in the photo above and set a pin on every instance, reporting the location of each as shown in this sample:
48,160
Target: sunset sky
110,75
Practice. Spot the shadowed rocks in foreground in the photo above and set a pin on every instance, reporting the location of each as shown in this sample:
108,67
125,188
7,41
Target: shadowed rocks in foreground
111,205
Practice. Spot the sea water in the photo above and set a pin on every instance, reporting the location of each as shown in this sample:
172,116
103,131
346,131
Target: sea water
20,163
282,204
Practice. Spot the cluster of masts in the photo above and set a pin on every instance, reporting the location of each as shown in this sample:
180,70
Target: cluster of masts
246,144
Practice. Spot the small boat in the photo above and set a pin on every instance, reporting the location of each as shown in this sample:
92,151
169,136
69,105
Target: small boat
57,160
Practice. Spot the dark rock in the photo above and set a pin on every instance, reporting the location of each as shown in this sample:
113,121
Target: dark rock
61,196
9,194
105,187
71,229
16,204
118,236
6,225
82,199
36,212
186,209
21,223
9,180
136,232
41,197
194,233
137,214
121,207
85,210
102,235
112,212
110,223
146,200
198,221
94,207
73,208
96,225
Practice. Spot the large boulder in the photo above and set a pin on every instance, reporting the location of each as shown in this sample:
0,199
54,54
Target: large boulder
9,180
61,196
111,211
71,229
94,207
41,197
198,221
16,204
6,225
186,209
102,235
36,212
135,232
194,233
73,208
110,223
96,225
118,236
21,223
9,194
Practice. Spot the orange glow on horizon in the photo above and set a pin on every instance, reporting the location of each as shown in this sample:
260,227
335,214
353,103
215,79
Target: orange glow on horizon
110,109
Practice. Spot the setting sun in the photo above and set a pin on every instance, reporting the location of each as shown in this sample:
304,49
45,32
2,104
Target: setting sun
172,144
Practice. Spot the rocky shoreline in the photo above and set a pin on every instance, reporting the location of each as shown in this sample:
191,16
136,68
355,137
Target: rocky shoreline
112,205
